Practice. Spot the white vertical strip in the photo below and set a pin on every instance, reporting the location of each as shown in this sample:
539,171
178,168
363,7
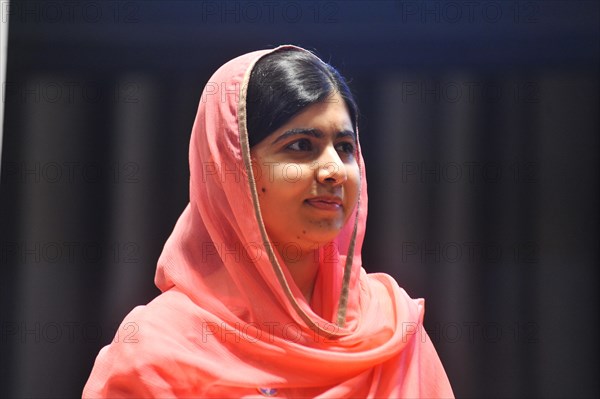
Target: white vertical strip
4,6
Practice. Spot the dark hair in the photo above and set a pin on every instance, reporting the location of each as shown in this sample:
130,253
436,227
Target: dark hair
284,83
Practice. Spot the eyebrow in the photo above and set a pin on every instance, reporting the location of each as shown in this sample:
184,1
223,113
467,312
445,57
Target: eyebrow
314,133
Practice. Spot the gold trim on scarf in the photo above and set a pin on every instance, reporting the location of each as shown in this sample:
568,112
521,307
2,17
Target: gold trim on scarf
245,147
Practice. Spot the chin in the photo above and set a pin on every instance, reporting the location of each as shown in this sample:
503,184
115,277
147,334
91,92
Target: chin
320,238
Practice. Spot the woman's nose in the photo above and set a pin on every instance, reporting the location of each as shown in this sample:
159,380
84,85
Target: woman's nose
330,169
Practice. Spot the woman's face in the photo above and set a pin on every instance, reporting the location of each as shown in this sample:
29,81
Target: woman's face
307,176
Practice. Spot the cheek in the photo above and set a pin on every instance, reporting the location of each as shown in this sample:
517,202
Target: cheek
283,185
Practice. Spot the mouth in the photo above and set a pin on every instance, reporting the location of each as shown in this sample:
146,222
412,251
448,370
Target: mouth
325,203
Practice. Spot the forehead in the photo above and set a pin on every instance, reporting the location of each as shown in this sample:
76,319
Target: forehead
330,114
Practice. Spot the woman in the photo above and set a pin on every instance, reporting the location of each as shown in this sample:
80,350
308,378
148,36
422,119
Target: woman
263,289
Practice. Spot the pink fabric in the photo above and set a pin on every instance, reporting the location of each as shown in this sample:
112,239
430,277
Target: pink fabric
227,324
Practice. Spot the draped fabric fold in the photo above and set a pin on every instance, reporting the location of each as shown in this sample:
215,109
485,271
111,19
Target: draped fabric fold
231,322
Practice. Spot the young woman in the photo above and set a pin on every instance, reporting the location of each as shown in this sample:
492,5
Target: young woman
263,293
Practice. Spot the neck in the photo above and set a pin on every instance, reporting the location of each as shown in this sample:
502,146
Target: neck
304,272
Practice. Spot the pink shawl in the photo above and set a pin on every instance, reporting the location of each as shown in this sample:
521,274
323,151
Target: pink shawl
231,322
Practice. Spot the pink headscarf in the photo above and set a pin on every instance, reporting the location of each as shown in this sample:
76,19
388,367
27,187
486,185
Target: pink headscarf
232,323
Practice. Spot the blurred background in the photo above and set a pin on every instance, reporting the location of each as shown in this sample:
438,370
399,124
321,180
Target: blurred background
479,123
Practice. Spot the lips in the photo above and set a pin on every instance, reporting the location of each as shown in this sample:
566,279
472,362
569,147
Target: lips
325,203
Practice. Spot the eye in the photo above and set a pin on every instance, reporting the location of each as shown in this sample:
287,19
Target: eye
300,145
346,147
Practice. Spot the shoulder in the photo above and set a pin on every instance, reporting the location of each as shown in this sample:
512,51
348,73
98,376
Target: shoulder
419,363
384,288
149,327
141,361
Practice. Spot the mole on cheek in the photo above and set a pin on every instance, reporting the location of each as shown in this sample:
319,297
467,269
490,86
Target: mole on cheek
303,231
264,190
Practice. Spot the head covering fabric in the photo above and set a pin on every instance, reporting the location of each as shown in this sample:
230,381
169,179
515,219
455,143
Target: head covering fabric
231,322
